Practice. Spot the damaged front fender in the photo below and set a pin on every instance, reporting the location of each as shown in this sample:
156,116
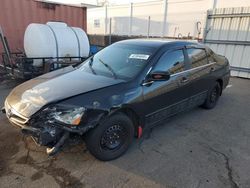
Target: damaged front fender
90,118
54,135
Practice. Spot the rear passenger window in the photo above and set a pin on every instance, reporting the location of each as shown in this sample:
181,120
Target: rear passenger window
197,56
171,61
210,55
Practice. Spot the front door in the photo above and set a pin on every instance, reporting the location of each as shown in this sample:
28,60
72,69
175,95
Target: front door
166,98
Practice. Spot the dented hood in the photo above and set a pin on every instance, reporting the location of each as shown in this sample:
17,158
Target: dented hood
31,96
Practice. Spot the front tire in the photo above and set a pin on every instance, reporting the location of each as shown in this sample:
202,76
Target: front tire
213,96
110,139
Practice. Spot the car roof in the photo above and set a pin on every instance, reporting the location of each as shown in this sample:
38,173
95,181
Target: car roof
157,42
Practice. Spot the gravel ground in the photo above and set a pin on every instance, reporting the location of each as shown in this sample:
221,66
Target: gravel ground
199,148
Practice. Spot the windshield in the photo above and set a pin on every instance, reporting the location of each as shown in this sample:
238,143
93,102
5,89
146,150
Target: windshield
118,61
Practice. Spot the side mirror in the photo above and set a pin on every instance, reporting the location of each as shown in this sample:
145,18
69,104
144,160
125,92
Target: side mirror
159,76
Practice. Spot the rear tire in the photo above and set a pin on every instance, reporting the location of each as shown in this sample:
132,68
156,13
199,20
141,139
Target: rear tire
213,96
111,138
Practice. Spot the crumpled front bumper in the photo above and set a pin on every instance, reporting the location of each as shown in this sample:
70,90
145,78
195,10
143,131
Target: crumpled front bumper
50,136
50,133
17,123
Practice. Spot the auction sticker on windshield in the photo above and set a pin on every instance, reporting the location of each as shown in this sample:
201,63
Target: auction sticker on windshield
139,56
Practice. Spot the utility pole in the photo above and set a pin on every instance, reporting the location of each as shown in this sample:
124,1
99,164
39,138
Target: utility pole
214,4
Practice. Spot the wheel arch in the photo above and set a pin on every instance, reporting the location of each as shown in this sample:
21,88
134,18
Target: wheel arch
136,119
220,81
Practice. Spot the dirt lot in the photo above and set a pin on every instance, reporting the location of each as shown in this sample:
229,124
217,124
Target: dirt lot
198,148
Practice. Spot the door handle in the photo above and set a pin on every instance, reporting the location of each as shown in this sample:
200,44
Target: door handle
184,79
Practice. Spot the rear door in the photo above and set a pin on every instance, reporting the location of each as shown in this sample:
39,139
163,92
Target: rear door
166,98
199,70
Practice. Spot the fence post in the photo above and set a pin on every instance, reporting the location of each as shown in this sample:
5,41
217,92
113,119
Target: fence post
110,29
148,27
130,19
106,19
175,30
164,18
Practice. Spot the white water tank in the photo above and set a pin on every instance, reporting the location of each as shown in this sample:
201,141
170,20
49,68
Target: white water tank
55,39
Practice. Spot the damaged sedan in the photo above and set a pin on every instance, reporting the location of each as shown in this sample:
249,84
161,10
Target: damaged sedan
117,94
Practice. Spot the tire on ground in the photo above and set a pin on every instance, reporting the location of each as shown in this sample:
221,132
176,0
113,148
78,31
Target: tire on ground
209,103
94,137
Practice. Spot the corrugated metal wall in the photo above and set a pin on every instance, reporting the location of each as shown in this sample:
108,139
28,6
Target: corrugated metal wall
16,15
228,33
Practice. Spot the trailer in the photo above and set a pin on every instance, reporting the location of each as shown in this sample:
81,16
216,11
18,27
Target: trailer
22,67
18,65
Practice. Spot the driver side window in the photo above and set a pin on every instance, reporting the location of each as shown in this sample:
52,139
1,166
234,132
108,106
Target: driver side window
172,61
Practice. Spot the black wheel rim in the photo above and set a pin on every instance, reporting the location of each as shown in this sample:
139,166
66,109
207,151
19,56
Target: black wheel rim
113,137
214,95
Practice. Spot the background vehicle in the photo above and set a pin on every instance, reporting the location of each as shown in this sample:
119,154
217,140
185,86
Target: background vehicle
116,94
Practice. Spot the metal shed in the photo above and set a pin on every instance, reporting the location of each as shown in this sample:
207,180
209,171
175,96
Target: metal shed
16,15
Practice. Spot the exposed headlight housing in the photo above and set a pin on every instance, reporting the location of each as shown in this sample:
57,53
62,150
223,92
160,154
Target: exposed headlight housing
71,115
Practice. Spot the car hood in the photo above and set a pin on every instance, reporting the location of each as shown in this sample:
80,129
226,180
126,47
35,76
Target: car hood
29,97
